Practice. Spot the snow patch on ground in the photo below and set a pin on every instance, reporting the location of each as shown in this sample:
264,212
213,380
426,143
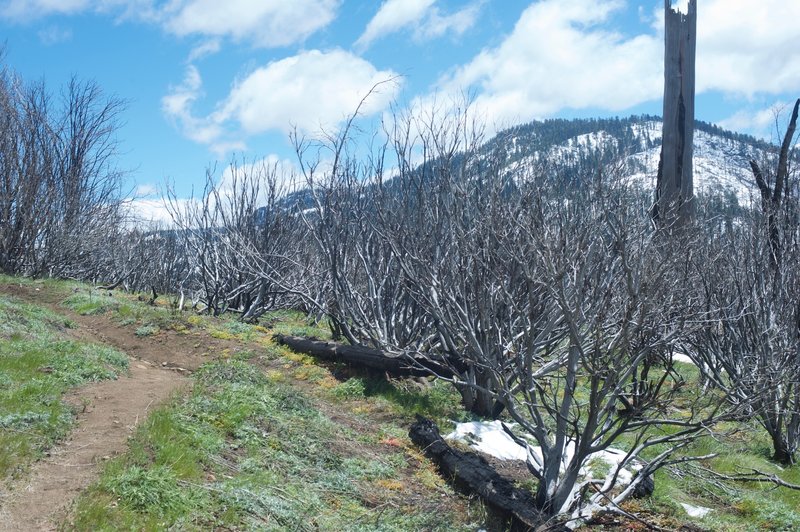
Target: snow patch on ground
681,357
696,511
489,438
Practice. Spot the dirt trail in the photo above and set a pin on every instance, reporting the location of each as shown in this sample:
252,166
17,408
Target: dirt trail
109,412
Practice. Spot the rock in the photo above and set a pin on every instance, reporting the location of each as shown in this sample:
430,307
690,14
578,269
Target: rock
644,488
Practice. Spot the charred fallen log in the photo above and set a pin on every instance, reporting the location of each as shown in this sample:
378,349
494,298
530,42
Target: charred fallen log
396,365
470,473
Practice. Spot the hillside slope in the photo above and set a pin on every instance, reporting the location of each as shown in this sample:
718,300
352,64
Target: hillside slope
631,146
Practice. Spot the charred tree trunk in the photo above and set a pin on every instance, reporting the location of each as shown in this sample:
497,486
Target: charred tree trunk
782,454
771,198
472,474
397,365
476,395
675,183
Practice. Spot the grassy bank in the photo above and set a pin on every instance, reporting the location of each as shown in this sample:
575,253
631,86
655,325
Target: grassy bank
268,439
243,451
37,367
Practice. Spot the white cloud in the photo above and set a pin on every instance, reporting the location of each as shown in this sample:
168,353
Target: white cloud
392,16
221,148
27,10
282,172
144,212
456,23
310,90
209,47
31,9
746,48
562,55
265,23
423,15
53,35
177,106
559,56
769,123
145,189
157,211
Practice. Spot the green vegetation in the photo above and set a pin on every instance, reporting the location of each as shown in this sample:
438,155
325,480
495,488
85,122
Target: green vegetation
350,389
90,302
146,330
735,505
436,400
253,445
293,323
248,450
36,368
244,452
126,309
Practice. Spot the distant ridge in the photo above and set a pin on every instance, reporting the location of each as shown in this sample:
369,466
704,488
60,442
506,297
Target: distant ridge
721,157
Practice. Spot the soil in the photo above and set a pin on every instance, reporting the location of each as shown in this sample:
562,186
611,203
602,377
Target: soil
108,412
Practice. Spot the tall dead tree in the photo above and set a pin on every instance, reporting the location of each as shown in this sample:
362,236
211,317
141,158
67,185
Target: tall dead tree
771,197
675,185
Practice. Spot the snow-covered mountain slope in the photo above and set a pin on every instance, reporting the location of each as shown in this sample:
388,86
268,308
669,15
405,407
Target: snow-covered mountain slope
629,148
721,164
624,148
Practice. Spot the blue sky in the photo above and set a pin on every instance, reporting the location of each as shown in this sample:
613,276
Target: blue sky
207,79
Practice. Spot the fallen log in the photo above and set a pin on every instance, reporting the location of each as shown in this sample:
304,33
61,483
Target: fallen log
395,365
470,473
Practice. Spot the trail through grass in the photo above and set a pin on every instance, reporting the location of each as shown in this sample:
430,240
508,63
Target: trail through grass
269,439
37,367
245,452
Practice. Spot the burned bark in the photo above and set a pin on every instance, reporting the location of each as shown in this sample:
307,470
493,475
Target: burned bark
470,473
675,183
771,198
375,359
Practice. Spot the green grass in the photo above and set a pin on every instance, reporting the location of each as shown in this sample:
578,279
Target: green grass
50,285
243,452
146,330
90,302
126,309
36,368
735,505
437,400
293,323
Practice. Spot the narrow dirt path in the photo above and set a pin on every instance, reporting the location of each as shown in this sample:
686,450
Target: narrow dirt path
112,411
109,412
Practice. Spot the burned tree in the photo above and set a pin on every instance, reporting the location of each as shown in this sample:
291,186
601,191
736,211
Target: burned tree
242,241
751,286
59,188
750,346
675,186
773,194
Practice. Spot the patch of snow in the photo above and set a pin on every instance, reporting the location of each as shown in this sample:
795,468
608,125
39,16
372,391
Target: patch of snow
682,357
489,438
695,511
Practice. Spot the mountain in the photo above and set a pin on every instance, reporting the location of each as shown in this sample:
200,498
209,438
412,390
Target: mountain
630,148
